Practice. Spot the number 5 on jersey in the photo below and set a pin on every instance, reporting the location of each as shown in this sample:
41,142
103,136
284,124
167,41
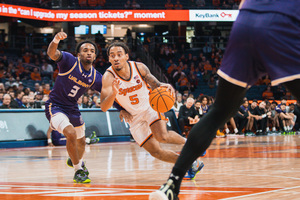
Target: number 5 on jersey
134,100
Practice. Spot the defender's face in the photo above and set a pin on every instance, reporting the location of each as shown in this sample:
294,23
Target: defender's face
87,53
118,57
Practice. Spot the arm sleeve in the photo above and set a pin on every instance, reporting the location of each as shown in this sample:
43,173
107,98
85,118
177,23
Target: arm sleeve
65,62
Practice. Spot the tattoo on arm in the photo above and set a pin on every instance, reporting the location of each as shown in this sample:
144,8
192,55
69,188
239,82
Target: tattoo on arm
149,78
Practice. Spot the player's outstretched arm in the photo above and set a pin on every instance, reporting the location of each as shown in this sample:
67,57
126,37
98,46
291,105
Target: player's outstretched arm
151,80
110,88
52,51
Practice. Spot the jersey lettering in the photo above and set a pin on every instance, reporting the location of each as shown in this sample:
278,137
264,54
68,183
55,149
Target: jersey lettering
74,91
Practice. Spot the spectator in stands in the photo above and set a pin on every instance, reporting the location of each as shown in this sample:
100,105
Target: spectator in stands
19,95
182,83
46,69
36,87
2,88
25,102
187,114
192,4
169,5
242,116
26,58
193,80
279,92
212,82
35,75
85,101
79,102
178,103
47,89
198,108
82,3
135,5
266,80
206,49
200,3
286,118
207,66
127,5
205,76
204,104
178,5
37,100
93,3
268,94
1,98
6,102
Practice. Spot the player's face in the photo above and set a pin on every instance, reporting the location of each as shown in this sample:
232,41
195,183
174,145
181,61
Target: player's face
87,53
117,57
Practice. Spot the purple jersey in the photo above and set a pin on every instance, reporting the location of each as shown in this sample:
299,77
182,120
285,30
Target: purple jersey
73,81
287,7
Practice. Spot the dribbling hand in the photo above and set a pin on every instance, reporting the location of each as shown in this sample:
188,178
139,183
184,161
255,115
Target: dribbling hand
169,88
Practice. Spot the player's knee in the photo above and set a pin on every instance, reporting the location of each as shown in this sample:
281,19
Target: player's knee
70,134
162,138
156,154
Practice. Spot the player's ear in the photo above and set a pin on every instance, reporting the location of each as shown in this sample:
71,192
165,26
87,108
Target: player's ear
127,56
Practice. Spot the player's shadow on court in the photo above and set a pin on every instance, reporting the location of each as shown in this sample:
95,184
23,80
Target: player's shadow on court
34,133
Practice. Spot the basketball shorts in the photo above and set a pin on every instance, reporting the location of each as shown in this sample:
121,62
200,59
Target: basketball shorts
260,44
73,115
140,125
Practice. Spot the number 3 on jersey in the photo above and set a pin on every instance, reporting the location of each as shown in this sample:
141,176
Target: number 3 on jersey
74,91
134,100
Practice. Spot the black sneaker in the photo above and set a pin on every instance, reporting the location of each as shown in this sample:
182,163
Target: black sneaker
70,164
166,192
81,177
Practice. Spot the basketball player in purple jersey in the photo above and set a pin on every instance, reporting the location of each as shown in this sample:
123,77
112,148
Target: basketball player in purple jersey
265,39
76,75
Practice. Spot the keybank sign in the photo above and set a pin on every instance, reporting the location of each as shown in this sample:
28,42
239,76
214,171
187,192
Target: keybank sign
213,15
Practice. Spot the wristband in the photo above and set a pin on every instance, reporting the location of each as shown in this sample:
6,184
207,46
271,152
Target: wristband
55,40
264,115
49,141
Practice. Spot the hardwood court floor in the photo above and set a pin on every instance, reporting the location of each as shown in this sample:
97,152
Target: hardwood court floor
249,168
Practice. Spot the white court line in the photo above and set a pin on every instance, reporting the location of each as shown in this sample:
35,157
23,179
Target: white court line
250,195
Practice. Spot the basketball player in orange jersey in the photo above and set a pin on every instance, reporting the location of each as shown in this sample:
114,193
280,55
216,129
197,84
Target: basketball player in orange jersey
127,83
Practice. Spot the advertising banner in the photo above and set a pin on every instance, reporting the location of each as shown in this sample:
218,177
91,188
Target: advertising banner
116,15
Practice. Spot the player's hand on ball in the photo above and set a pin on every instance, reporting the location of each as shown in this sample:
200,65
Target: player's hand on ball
61,36
125,115
169,88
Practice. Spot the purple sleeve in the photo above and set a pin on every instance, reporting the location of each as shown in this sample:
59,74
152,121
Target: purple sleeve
66,62
98,82
117,106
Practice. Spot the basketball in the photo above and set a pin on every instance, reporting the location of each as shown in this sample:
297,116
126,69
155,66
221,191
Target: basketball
161,100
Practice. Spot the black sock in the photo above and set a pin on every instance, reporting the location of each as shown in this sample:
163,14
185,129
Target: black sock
228,99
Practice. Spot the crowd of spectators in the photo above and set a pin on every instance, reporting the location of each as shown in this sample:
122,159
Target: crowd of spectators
254,118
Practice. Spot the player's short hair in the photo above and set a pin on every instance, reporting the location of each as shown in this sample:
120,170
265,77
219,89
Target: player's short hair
118,44
87,41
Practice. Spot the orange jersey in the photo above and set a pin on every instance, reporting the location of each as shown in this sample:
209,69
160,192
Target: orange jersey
133,94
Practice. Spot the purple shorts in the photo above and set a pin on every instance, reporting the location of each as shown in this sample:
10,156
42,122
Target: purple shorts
260,44
72,113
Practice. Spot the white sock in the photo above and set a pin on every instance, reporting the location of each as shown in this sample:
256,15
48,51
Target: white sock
236,130
273,129
227,130
285,128
78,166
267,129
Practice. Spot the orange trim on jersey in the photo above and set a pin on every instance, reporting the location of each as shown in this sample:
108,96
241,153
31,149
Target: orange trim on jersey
50,105
111,72
137,69
130,67
146,139
63,74
79,126
94,77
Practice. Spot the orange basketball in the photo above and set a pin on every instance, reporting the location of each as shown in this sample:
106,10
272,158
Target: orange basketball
161,100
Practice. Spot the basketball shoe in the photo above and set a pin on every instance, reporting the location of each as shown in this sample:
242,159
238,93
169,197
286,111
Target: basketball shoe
81,177
196,167
92,139
70,164
166,192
